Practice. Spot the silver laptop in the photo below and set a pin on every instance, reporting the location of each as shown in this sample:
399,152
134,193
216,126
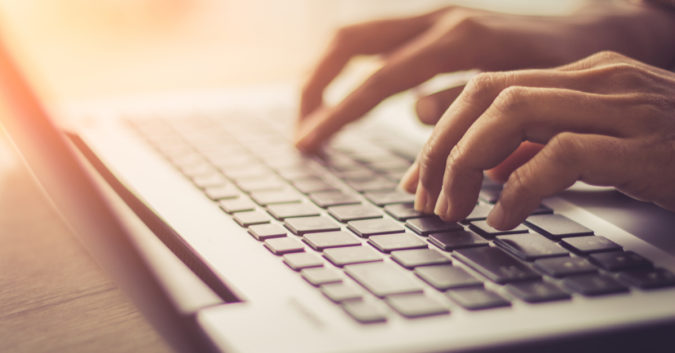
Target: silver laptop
228,239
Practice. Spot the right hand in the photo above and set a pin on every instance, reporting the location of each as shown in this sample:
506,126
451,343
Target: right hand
450,39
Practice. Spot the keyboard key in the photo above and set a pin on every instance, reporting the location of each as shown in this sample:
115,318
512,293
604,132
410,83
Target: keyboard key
364,312
237,205
301,260
383,279
249,172
264,198
565,266
356,174
444,277
427,225
416,305
537,292
489,195
398,241
556,226
354,212
261,184
321,241
303,225
594,284
482,228
307,186
477,298
340,292
620,261
419,257
295,173
333,198
530,246
368,227
479,212
209,180
320,275
590,244
289,210
373,184
649,278
221,192
403,211
496,265
456,240
382,198
266,231
250,218
285,245
351,255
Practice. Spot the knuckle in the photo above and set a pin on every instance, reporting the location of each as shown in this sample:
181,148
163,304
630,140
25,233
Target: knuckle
564,149
511,100
607,56
480,85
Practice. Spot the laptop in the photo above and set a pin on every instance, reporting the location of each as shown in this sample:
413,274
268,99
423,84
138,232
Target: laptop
229,240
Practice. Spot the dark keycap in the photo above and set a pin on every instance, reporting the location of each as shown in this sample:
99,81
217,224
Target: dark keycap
496,265
565,266
416,305
556,226
289,210
477,298
333,198
351,255
530,246
261,184
301,260
489,195
285,245
649,278
398,241
266,231
214,179
374,184
594,284
427,225
264,198
403,211
482,228
364,312
300,226
237,205
320,241
382,198
383,279
419,257
444,277
367,227
348,213
221,192
536,292
340,292
479,212
250,218
307,186
620,261
456,240
590,244
321,275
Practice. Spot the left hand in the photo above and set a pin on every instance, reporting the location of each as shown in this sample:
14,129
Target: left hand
606,120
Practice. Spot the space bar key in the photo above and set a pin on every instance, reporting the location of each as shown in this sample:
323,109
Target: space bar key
383,279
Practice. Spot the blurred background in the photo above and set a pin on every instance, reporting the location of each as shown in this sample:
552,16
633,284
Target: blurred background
83,49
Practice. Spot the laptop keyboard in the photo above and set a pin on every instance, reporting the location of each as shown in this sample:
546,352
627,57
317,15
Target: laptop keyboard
338,220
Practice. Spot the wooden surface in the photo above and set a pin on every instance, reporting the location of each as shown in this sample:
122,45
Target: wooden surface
53,297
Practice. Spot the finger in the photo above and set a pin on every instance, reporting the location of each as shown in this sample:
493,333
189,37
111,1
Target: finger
596,159
414,64
430,108
409,180
374,37
522,113
520,156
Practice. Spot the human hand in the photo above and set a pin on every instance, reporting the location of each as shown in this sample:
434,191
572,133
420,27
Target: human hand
606,120
414,49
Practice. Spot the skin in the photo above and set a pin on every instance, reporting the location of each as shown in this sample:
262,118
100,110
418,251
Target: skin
546,127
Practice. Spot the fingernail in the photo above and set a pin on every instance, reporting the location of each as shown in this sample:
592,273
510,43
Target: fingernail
426,109
408,181
421,198
442,204
497,217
